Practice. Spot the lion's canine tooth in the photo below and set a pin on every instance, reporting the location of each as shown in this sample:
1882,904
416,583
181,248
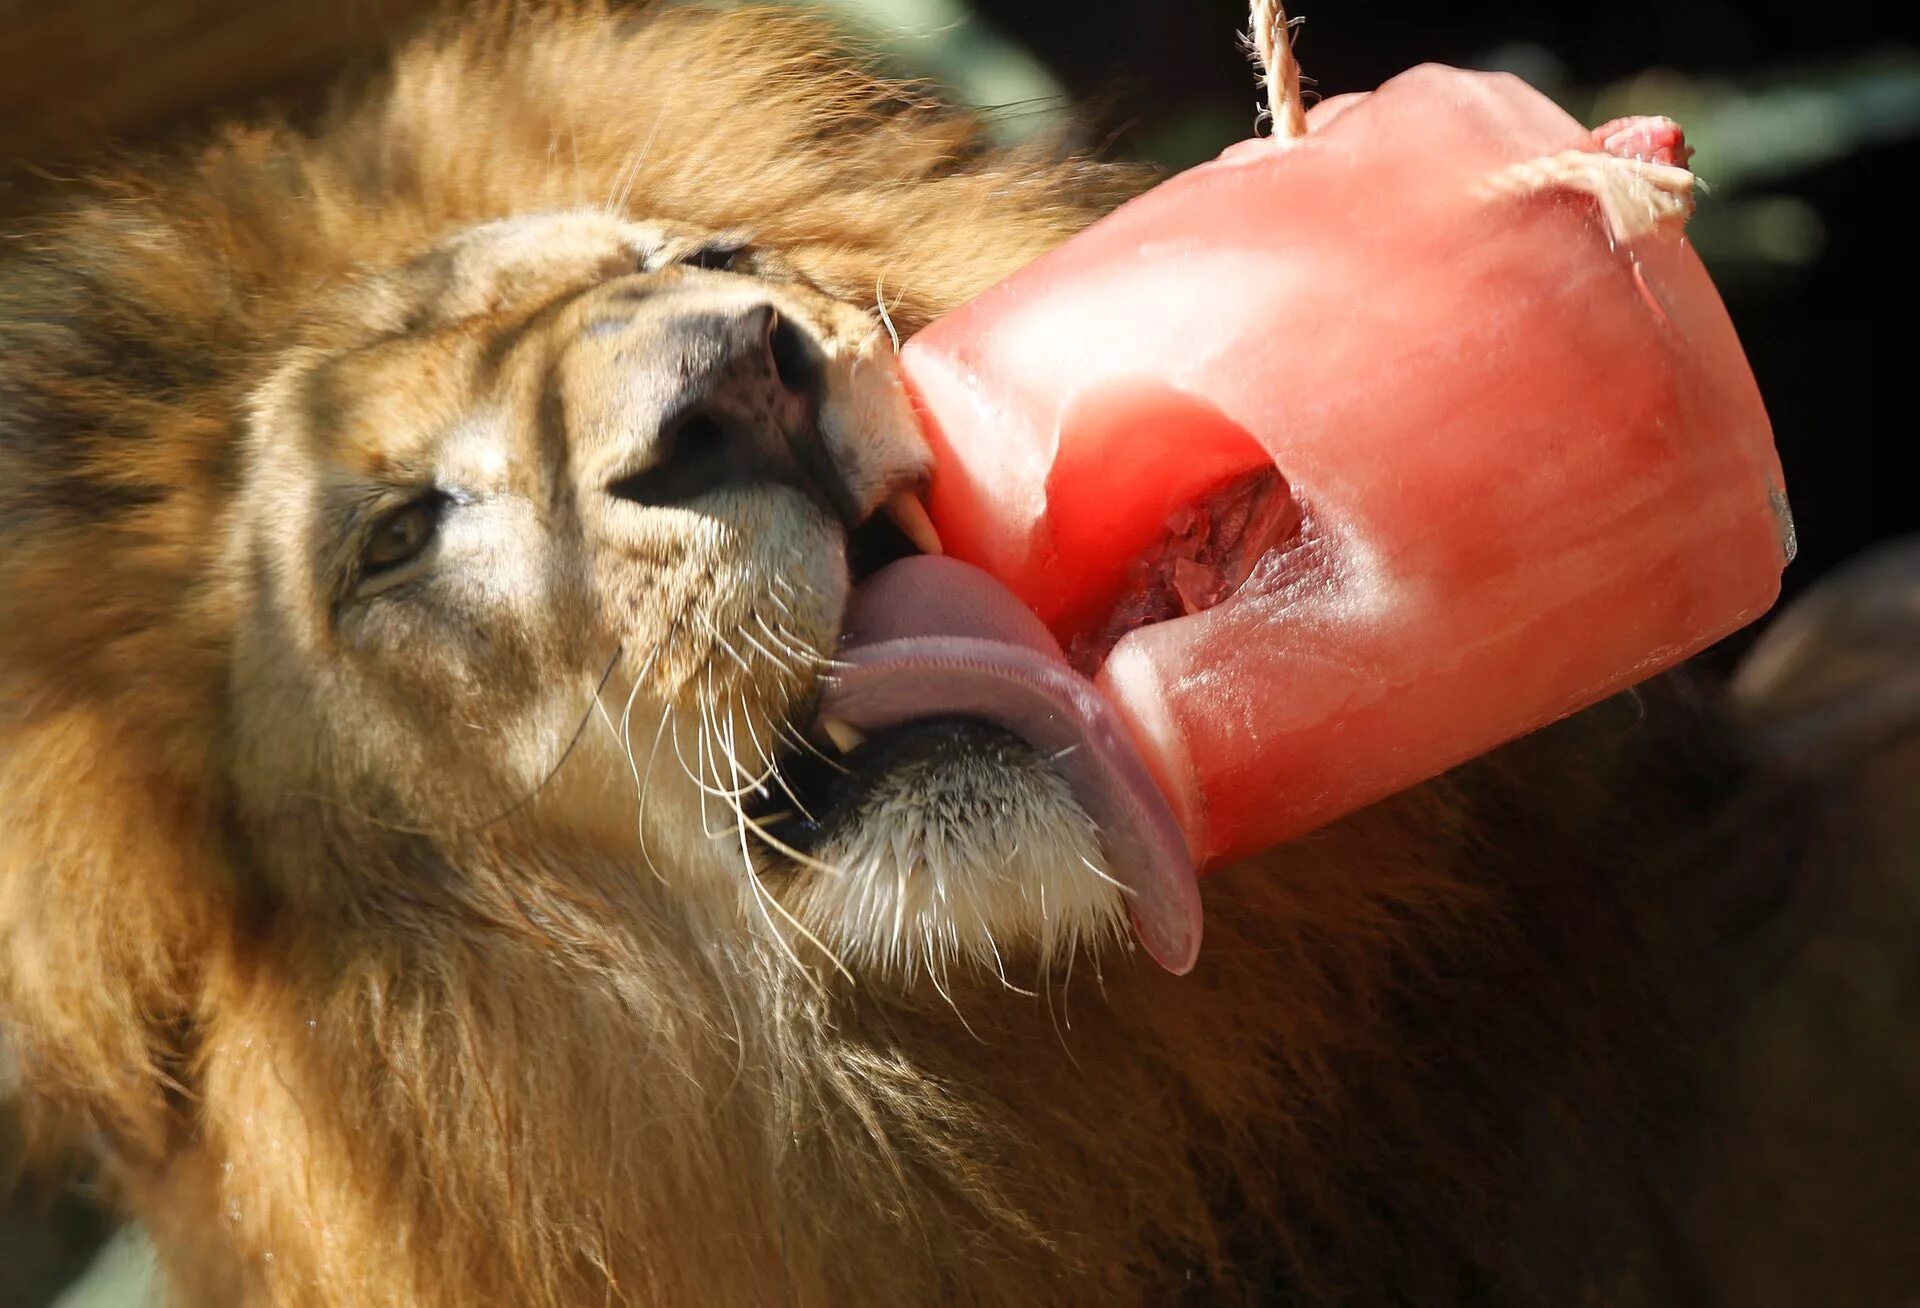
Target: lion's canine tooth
910,515
845,736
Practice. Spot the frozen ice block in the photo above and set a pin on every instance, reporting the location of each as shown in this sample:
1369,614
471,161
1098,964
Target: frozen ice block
1341,460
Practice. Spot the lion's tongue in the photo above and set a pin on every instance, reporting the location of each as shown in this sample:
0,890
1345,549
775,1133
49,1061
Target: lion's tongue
933,637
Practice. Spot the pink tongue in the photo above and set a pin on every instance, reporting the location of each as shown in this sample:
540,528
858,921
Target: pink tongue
933,637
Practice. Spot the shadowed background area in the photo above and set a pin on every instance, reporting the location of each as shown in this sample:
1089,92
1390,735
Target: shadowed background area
1807,125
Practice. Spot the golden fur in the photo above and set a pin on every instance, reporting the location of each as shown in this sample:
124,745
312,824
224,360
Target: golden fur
353,998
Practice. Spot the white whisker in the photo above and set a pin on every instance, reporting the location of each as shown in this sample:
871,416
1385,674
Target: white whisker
886,316
773,767
762,897
631,171
1106,876
784,666
934,975
646,785
1000,966
721,641
789,733
795,649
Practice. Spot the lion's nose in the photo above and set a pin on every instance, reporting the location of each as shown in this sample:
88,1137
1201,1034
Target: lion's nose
745,410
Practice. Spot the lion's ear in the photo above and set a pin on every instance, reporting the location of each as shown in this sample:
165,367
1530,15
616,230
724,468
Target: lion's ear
1836,677
110,895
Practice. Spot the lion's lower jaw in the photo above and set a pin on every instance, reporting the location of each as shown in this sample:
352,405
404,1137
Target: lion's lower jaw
982,865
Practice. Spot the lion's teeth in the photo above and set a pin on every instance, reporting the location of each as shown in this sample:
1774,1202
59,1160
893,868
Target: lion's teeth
845,736
910,515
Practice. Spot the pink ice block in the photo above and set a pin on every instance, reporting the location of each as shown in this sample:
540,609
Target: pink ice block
1528,462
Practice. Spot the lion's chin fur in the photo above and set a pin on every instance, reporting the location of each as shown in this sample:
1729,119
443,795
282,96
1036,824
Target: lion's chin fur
1428,1056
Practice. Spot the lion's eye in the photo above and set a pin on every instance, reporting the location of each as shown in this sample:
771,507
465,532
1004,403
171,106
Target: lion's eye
402,534
721,255
728,252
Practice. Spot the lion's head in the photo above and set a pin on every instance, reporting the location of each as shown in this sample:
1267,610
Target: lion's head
530,443
549,533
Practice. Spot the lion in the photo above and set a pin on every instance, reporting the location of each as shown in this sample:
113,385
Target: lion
426,531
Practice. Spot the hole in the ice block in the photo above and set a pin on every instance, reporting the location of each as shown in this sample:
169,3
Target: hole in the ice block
1208,550
1133,455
